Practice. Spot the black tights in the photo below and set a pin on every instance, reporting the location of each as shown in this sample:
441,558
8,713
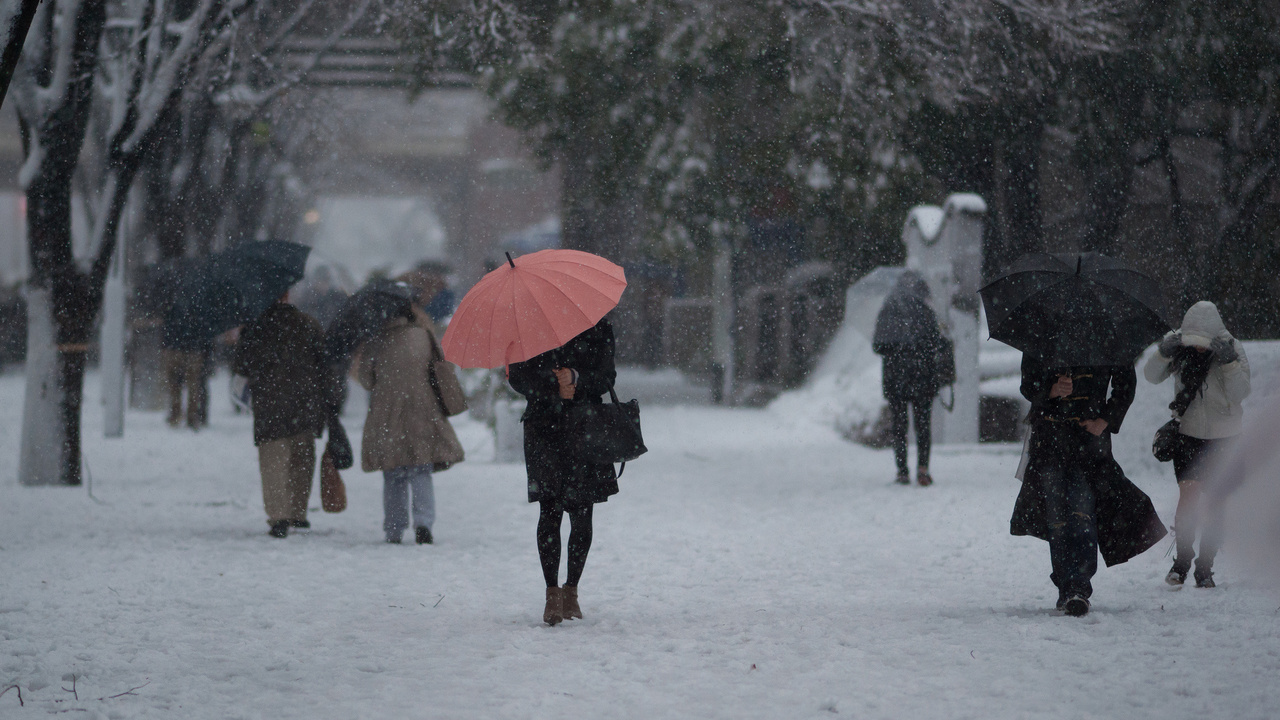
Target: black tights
550,516
923,408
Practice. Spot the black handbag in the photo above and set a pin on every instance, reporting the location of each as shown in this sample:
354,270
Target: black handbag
339,447
608,432
1168,438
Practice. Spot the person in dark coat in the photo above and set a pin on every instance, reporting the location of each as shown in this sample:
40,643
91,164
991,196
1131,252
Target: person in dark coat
578,372
1074,494
908,337
186,356
282,355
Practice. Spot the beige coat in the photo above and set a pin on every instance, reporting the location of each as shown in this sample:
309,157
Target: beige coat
406,424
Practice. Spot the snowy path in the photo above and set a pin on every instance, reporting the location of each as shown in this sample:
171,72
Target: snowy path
750,568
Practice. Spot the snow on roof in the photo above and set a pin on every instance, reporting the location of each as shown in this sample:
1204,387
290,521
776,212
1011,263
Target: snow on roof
966,202
928,219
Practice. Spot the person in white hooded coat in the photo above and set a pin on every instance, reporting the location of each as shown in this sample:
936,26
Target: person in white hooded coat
1204,354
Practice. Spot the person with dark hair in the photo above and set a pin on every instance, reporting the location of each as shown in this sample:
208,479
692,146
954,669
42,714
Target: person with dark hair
579,372
1211,379
909,339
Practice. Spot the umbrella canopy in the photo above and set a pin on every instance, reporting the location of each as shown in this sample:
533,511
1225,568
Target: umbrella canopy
236,286
364,314
533,304
1075,309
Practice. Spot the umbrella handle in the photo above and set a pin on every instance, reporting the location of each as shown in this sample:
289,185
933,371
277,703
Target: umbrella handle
513,262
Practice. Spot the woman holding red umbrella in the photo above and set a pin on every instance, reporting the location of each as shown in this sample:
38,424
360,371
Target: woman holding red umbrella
579,372
544,319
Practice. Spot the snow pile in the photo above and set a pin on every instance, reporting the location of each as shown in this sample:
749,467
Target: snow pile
843,392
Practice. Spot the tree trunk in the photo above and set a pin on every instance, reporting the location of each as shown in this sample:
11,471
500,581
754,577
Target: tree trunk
61,304
50,450
1195,286
18,23
1107,200
1022,222
60,318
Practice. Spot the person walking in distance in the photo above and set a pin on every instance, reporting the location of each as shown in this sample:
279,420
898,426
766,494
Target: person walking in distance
407,434
1211,379
578,372
282,355
909,339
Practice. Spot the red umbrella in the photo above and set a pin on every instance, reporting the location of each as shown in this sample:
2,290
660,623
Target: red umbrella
533,304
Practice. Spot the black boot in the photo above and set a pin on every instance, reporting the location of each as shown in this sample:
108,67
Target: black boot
1204,578
422,535
279,529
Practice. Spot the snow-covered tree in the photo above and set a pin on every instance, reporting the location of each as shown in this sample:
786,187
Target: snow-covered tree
53,93
16,17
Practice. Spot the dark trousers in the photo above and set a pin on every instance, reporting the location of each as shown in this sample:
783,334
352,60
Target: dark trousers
1190,461
1071,516
923,411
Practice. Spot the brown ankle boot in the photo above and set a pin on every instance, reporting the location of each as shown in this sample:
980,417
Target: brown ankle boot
569,603
553,614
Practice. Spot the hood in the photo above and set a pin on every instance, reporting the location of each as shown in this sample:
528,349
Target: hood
911,284
1202,324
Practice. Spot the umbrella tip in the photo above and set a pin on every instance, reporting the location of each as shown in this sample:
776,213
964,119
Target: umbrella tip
513,262
1079,263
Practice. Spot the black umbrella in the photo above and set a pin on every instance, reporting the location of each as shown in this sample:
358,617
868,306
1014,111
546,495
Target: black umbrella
1075,309
364,314
235,286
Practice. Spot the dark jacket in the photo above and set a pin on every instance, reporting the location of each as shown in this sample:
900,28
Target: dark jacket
554,474
282,355
909,339
1127,521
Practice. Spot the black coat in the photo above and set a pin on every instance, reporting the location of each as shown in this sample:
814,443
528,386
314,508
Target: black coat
293,389
1127,520
554,474
907,336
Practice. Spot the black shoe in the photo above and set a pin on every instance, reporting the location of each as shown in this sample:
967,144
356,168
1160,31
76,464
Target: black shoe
1176,576
279,529
305,524
422,536
1076,606
1204,579
393,539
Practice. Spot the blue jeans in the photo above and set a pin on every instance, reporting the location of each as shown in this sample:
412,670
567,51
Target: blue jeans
1069,505
396,485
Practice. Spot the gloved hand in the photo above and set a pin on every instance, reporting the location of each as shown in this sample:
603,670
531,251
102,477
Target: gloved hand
1224,351
1170,343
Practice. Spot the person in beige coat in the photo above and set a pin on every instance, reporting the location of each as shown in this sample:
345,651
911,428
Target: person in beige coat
1211,379
407,434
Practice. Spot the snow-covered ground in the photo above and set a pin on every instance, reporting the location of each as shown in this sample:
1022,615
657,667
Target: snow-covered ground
755,565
